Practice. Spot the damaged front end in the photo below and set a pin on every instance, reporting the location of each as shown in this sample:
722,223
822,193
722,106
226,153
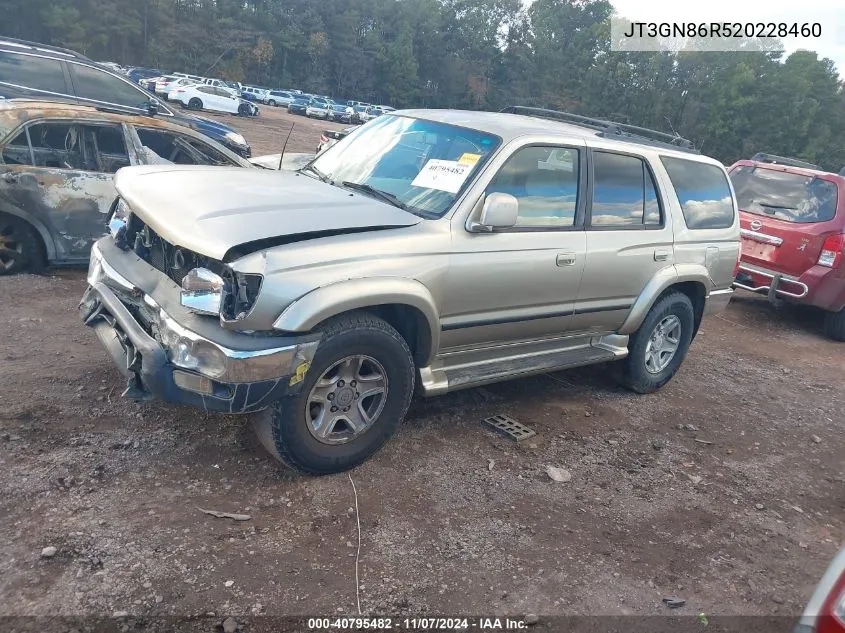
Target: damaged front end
170,352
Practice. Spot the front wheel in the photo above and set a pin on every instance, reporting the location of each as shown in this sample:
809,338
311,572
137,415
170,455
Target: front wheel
352,399
243,109
657,349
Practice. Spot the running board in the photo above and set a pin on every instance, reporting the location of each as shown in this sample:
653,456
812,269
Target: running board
444,376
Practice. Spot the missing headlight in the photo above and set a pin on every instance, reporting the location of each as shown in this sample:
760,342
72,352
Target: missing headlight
240,290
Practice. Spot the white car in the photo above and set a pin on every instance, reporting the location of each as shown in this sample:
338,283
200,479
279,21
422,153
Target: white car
205,97
166,86
317,110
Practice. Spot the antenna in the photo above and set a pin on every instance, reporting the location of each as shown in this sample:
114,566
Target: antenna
282,155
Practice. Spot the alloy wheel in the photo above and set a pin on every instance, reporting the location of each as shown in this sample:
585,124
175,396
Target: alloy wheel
663,344
346,400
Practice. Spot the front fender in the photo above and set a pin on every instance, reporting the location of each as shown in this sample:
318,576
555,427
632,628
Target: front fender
304,314
665,277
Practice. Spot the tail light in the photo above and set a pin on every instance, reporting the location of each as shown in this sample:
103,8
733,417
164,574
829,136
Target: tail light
831,618
323,138
831,254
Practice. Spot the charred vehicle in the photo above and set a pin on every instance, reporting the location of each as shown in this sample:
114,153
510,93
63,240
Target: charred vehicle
430,250
57,165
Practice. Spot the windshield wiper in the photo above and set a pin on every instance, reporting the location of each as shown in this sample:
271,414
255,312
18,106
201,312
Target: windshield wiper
776,206
323,177
389,198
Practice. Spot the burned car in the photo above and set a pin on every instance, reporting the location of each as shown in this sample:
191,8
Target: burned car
431,250
57,164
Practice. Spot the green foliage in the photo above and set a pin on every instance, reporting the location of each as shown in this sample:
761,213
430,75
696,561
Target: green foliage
466,54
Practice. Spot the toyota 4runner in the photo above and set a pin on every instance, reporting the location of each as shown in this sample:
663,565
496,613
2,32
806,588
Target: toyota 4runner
431,250
792,217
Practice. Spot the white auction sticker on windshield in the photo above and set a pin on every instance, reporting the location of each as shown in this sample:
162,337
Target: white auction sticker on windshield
443,175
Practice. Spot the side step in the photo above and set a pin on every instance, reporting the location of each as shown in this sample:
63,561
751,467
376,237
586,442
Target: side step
442,378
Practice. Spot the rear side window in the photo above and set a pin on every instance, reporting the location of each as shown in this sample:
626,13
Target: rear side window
97,85
36,73
703,193
623,192
785,196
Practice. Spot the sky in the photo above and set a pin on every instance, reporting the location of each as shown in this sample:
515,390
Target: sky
829,13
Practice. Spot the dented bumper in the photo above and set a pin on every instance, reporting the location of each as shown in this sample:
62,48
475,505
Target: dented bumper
164,358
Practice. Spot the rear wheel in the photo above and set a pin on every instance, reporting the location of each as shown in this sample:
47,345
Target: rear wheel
272,102
352,400
834,325
20,246
195,104
657,349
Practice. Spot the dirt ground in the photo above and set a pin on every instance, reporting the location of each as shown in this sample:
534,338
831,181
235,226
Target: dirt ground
266,133
725,489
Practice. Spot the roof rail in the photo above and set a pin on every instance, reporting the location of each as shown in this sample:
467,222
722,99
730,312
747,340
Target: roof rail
763,157
44,47
610,129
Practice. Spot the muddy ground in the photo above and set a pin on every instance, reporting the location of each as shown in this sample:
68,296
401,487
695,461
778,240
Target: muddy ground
454,518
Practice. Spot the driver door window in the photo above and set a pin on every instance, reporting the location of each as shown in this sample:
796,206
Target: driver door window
545,182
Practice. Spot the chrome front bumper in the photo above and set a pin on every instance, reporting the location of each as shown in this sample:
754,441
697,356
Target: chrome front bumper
162,358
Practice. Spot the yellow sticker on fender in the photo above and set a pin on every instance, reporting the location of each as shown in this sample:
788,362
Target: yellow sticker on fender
299,374
469,159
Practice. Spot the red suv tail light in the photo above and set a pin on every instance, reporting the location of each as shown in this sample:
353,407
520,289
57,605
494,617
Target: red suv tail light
831,618
831,254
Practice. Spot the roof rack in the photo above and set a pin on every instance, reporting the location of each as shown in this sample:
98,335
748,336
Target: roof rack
763,157
43,47
610,129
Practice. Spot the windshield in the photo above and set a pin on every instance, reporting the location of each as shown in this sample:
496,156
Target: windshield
782,195
423,165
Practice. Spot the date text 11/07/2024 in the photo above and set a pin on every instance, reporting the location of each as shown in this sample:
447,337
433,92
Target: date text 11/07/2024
418,624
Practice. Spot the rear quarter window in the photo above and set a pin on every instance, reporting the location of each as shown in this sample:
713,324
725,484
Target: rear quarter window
703,193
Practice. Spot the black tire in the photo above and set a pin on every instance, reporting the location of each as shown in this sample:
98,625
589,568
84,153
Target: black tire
272,103
632,372
834,325
195,104
243,109
20,246
283,429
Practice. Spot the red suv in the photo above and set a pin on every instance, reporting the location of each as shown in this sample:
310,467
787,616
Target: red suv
792,219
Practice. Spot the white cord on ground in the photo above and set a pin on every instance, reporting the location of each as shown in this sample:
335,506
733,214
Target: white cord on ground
358,553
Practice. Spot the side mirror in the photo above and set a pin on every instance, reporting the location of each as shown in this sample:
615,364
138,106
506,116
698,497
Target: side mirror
499,211
152,107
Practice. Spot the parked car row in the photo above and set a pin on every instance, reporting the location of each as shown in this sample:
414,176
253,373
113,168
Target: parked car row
201,93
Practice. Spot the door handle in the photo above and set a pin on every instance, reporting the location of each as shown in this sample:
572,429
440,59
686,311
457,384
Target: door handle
661,255
565,259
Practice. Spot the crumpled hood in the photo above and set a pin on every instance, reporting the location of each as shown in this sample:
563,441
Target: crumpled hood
211,210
